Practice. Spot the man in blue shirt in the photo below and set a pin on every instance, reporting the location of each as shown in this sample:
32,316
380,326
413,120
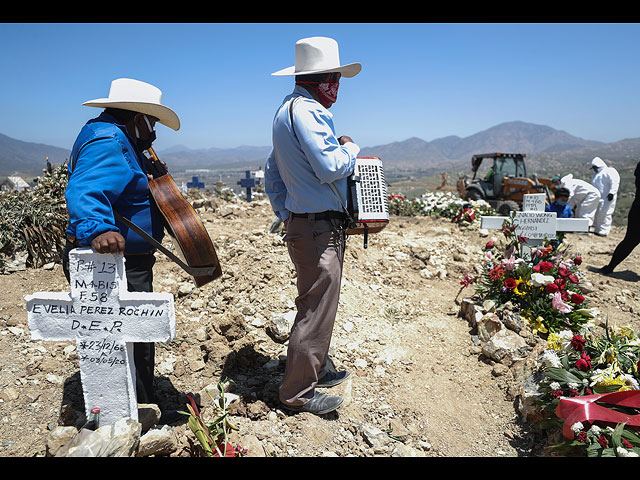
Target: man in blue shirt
307,156
560,203
107,173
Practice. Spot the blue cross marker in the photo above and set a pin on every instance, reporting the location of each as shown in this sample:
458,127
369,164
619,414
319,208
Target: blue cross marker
248,183
196,183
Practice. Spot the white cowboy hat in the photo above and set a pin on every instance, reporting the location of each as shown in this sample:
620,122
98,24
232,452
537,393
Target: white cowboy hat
318,55
140,97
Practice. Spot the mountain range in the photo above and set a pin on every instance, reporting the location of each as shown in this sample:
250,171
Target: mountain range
546,149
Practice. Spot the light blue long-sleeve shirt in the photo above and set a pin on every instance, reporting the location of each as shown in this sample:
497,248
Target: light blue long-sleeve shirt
301,166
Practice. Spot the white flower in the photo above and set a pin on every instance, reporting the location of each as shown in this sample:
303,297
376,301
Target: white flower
540,280
577,427
573,385
554,386
550,359
623,452
596,430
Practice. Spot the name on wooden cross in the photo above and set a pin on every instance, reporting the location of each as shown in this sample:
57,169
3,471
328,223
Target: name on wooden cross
534,223
105,320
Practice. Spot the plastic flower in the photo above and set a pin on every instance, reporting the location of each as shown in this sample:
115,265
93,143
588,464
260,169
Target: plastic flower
538,326
577,298
577,342
511,263
559,304
496,273
540,280
550,359
554,341
545,266
584,362
517,290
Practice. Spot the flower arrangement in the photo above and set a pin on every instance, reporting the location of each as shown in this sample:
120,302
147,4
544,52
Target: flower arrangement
440,204
542,284
579,365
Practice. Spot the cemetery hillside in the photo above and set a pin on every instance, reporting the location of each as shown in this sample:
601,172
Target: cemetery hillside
466,334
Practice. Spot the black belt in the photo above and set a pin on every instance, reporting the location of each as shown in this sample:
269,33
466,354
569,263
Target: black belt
322,215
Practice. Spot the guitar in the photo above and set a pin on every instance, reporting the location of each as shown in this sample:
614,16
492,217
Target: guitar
196,253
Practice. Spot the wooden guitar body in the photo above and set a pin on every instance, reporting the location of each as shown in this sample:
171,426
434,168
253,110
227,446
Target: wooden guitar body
183,224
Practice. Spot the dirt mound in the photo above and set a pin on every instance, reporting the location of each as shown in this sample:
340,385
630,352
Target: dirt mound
418,386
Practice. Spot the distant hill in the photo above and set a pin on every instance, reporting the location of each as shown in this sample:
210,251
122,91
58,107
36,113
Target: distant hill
455,152
26,158
547,150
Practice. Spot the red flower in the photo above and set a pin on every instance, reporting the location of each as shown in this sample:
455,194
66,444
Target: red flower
626,443
577,298
545,266
564,295
574,392
536,268
556,393
496,273
577,260
574,279
561,282
582,437
603,441
577,342
551,288
510,283
584,362
563,272
489,245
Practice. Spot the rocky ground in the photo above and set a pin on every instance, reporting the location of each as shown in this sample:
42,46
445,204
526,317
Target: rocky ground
418,386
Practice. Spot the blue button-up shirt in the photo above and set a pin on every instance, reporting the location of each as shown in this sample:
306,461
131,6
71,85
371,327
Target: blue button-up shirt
301,166
107,173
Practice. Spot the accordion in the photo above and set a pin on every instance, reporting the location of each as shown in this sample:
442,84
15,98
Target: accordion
367,203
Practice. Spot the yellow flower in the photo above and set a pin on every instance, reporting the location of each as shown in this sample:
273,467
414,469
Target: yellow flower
537,325
554,341
517,290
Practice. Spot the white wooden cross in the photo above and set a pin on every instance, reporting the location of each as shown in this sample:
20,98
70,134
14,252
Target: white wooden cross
534,223
104,319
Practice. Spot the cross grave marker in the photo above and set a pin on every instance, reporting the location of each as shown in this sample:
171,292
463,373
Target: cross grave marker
104,319
195,183
536,224
248,183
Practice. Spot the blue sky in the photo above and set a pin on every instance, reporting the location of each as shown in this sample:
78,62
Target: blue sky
426,80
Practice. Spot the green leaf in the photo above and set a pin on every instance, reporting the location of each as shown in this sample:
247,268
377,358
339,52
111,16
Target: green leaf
561,375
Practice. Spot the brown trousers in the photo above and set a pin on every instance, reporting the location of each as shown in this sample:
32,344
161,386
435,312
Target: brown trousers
316,248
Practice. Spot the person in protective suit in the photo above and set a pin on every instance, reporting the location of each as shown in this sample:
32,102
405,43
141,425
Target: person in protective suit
607,180
583,197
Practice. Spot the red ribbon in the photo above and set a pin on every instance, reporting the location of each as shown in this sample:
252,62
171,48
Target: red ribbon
585,409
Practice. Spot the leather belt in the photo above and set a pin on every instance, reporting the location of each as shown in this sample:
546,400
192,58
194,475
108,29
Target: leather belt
322,215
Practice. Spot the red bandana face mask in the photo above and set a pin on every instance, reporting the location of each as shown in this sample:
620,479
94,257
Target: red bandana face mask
327,91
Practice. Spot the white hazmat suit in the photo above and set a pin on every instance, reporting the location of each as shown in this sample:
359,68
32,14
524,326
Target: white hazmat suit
606,180
583,197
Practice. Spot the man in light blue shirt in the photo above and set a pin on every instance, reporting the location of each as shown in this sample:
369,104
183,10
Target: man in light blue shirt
307,157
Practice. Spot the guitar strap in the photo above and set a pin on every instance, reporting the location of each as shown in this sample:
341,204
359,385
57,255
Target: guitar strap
195,271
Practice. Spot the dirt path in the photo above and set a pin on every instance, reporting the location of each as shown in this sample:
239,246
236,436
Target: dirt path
418,385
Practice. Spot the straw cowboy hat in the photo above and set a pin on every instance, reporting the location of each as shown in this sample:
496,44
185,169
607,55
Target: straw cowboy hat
318,55
140,97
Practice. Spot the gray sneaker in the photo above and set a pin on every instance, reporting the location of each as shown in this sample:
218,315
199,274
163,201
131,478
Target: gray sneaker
331,379
319,404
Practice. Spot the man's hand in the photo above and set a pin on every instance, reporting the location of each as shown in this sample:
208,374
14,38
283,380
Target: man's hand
108,242
344,139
